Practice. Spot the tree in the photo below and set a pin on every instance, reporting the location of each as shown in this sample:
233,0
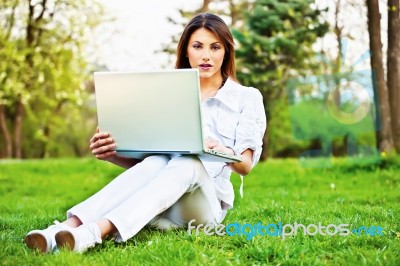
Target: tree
393,68
275,46
345,31
384,136
42,69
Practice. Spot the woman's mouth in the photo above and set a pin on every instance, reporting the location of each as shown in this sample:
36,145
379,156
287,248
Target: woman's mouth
205,66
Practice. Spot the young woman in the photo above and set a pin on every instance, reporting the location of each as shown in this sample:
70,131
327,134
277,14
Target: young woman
169,191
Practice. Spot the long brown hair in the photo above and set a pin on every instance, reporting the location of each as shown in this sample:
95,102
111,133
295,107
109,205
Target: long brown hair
218,27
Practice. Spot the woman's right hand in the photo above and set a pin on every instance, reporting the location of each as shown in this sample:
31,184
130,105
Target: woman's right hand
103,146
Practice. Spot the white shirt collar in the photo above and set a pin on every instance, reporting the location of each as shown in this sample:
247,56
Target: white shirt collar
228,94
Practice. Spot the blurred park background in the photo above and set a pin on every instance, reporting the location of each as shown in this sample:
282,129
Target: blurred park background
329,74
328,70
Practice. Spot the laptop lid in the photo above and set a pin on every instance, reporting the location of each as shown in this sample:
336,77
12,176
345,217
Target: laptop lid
151,112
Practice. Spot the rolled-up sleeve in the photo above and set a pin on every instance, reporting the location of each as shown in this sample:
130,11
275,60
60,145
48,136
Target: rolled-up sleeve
251,125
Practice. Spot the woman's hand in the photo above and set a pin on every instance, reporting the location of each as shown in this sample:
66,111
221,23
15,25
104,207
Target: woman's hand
102,146
242,168
215,145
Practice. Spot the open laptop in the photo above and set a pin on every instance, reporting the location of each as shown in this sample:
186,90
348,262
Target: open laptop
153,113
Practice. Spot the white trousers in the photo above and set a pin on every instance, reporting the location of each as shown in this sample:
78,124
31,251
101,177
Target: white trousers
159,188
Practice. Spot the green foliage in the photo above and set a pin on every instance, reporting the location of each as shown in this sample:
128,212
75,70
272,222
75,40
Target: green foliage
278,38
275,191
275,45
284,142
42,65
306,124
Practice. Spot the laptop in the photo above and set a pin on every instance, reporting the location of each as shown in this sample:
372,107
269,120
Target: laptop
151,113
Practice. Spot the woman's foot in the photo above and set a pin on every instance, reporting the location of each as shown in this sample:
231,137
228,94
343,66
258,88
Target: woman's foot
44,240
79,239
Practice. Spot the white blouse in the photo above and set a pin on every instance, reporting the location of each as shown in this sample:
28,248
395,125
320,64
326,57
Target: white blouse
235,117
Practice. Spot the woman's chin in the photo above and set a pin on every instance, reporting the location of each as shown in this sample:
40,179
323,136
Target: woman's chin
205,75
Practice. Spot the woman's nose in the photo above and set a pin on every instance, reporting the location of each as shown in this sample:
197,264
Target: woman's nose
206,55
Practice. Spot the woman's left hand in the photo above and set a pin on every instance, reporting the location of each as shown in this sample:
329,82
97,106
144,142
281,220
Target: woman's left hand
215,145
243,167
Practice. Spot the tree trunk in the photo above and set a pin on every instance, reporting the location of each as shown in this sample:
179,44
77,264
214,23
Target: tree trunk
393,68
385,138
338,30
47,130
5,132
18,128
264,153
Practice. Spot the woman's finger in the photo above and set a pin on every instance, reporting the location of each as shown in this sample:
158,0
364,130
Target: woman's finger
211,143
101,142
106,155
100,135
93,139
104,149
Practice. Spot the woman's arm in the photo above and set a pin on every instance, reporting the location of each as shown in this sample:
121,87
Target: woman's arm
102,146
242,168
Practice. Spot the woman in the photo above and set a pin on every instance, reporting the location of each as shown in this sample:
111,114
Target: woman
164,191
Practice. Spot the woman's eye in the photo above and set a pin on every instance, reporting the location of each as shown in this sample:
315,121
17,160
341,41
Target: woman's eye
196,46
215,47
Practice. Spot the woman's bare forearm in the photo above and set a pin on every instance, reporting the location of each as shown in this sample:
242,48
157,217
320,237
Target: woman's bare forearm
243,167
124,162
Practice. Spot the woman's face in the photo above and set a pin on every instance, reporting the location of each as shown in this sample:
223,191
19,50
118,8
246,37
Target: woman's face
206,52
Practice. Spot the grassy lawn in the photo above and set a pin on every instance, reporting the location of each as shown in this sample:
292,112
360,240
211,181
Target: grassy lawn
364,193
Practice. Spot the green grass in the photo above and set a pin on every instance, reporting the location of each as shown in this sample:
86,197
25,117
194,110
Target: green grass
35,193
